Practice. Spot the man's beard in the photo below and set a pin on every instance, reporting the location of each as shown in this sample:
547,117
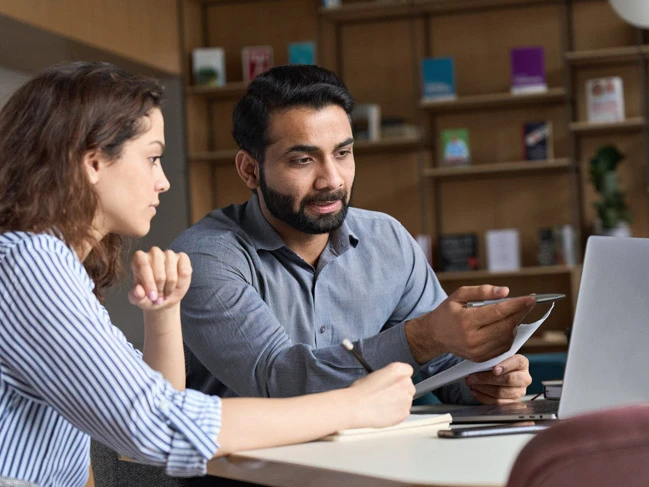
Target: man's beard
281,207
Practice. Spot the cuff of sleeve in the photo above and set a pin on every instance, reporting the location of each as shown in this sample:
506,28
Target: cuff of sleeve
388,346
196,423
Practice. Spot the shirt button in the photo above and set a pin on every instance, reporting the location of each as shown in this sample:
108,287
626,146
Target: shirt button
322,330
164,405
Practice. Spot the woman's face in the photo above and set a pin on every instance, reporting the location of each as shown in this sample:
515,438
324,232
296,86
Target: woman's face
128,188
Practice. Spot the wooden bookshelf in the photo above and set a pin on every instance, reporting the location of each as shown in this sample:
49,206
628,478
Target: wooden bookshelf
523,271
493,101
628,125
230,90
497,168
375,10
608,56
409,143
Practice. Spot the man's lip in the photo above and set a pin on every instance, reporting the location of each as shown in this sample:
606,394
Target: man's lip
325,206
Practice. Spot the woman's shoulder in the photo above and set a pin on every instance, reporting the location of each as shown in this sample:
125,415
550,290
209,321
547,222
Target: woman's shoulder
34,247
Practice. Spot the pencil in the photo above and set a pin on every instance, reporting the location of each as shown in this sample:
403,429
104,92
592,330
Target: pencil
350,346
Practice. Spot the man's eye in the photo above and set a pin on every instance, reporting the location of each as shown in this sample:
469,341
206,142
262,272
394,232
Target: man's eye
301,160
344,152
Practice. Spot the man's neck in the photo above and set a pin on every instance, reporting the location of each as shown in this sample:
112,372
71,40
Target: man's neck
307,246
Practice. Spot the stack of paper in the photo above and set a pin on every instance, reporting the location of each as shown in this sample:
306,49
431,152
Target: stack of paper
414,423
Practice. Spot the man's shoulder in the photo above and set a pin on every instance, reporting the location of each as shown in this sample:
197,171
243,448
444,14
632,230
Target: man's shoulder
364,223
221,228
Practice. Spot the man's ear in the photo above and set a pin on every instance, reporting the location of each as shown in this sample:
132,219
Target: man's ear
248,169
93,163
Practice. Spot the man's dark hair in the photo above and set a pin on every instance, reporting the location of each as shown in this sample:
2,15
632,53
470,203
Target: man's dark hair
297,85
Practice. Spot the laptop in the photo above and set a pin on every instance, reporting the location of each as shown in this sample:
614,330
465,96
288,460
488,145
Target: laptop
608,355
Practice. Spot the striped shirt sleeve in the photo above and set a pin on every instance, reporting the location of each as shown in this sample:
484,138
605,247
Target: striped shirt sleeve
63,351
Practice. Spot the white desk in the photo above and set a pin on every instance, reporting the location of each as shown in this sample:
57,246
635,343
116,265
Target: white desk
414,459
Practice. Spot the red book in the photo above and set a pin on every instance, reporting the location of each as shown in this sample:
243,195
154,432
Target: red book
256,60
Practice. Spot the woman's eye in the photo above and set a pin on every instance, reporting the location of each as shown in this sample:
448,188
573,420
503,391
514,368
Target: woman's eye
154,160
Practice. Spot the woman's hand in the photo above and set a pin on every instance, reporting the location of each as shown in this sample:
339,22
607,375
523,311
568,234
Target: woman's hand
384,397
160,279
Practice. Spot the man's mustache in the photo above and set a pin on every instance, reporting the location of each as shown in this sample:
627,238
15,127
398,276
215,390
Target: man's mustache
339,194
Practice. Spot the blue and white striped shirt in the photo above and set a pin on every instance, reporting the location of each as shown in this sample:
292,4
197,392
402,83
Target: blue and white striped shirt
66,373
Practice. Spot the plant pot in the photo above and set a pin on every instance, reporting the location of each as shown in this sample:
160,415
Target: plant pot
621,230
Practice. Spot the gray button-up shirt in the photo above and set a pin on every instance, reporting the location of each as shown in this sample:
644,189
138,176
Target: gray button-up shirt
260,321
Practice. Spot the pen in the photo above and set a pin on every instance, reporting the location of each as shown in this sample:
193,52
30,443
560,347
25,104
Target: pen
350,346
540,298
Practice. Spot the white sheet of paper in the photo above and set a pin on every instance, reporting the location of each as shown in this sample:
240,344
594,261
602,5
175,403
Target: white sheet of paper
466,367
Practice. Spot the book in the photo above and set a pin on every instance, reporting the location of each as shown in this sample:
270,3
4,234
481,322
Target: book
366,121
397,127
208,66
415,423
503,250
256,60
455,147
537,141
438,78
301,53
605,99
458,252
527,70
331,3
547,255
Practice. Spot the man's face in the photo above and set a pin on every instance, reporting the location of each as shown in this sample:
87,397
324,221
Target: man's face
308,170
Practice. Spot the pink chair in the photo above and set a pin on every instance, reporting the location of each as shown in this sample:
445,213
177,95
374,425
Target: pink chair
603,449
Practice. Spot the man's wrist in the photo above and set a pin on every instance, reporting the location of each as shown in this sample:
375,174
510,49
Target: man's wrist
422,345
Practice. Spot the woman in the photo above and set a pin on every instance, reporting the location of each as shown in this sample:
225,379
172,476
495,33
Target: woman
80,166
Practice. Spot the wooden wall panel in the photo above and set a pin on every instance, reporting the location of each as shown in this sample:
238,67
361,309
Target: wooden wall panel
480,42
145,31
390,183
597,26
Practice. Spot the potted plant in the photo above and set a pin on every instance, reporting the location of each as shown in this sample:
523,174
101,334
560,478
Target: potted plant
613,214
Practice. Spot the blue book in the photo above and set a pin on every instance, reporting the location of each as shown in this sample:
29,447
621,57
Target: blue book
438,78
301,53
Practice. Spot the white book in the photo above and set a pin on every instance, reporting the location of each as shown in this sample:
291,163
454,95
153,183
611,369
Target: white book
503,250
415,423
366,121
605,99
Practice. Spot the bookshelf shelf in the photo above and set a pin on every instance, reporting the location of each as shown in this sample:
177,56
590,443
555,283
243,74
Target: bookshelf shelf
230,90
216,157
523,272
607,56
493,100
497,168
628,125
373,10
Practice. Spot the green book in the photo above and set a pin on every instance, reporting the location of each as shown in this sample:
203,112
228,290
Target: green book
455,147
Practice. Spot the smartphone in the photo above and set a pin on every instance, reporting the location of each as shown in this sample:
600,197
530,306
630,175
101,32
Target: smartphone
539,298
492,430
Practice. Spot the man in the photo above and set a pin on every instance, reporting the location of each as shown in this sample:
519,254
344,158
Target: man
281,280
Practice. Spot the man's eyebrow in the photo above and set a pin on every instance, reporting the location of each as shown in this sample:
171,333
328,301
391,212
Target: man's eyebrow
301,148
313,148
346,142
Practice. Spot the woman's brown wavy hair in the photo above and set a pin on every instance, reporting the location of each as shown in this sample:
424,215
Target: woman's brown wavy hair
46,128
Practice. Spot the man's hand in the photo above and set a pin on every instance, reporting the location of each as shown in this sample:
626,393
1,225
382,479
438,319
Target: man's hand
506,382
477,334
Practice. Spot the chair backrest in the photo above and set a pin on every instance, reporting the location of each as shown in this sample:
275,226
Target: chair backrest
602,449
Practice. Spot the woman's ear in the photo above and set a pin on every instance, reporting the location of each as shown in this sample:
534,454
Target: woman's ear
93,163
248,169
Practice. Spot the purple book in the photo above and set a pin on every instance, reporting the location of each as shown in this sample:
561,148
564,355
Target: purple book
528,70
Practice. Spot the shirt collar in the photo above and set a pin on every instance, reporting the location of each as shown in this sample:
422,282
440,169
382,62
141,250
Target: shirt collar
264,236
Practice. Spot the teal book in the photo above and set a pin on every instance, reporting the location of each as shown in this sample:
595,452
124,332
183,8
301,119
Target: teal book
438,78
301,53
